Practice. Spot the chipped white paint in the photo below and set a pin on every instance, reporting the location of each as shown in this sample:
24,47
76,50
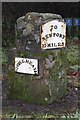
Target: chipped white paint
25,65
53,34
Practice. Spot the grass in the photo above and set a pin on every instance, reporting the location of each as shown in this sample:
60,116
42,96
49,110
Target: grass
37,116
73,54
4,56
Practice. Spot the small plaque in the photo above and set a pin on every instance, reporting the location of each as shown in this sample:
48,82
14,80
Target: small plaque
53,34
26,65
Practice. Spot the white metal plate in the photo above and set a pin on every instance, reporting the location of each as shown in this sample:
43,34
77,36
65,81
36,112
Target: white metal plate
26,65
53,35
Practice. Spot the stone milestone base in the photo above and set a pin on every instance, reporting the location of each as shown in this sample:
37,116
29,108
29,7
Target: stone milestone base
50,84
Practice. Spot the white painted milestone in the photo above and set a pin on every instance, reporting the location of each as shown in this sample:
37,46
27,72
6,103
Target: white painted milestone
26,65
53,34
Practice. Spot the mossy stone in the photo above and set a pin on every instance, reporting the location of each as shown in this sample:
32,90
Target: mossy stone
50,85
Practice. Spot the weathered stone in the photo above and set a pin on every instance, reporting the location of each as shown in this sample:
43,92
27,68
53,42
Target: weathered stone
32,16
37,38
21,24
32,30
49,63
50,83
48,16
28,30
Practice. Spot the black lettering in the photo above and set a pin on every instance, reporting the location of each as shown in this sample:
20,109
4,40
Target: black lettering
63,37
55,27
30,62
54,34
51,28
34,69
50,35
19,63
35,72
62,43
52,44
44,38
48,45
22,61
57,34
43,45
55,45
32,66
60,35
26,61
47,36
58,44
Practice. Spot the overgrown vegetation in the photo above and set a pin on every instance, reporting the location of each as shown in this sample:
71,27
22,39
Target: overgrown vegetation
4,57
37,116
73,55
23,88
